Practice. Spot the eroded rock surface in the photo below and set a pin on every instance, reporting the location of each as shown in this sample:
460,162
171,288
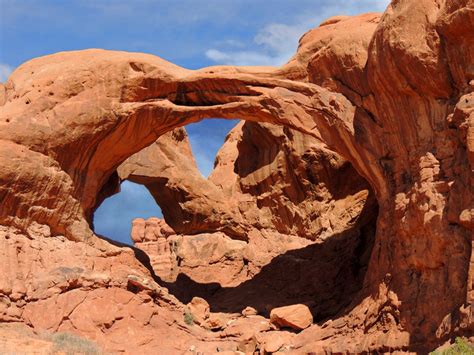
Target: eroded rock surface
265,178
285,193
391,94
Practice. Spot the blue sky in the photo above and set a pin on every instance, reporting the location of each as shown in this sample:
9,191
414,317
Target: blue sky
190,33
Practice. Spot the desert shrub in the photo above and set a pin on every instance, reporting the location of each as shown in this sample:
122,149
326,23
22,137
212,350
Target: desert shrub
188,318
460,347
71,345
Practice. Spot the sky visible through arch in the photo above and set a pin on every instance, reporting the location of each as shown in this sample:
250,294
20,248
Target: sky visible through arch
189,33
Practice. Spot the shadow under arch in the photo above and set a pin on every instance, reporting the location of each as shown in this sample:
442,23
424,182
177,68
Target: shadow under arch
325,276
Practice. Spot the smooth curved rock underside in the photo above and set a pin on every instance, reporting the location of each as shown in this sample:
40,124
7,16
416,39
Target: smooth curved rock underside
391,95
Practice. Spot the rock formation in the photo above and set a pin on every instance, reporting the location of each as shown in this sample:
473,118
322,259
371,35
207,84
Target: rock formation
283,192
391,94
266,178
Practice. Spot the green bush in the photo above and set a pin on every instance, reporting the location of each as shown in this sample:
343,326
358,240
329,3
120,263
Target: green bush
460,347
188,318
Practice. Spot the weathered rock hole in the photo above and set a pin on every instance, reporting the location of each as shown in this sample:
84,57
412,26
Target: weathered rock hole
114,216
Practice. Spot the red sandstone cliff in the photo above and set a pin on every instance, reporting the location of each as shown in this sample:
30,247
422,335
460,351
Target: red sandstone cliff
391,94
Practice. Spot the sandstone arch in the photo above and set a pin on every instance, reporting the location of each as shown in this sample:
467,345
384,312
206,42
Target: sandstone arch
265,177
287,201
128,111
410,137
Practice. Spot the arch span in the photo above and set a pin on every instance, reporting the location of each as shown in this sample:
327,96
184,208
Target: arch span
107,106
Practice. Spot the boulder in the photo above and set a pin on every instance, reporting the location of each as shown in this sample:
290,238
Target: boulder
297,316
199,310
249,311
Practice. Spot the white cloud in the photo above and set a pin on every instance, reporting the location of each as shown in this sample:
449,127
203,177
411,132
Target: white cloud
233,43
5,71
242,57
279,37
275,43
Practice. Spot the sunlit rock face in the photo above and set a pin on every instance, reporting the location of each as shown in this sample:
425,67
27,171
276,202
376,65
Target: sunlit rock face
392,95
265,178
282,193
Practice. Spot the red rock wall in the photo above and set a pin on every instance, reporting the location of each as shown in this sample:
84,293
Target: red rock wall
398,106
